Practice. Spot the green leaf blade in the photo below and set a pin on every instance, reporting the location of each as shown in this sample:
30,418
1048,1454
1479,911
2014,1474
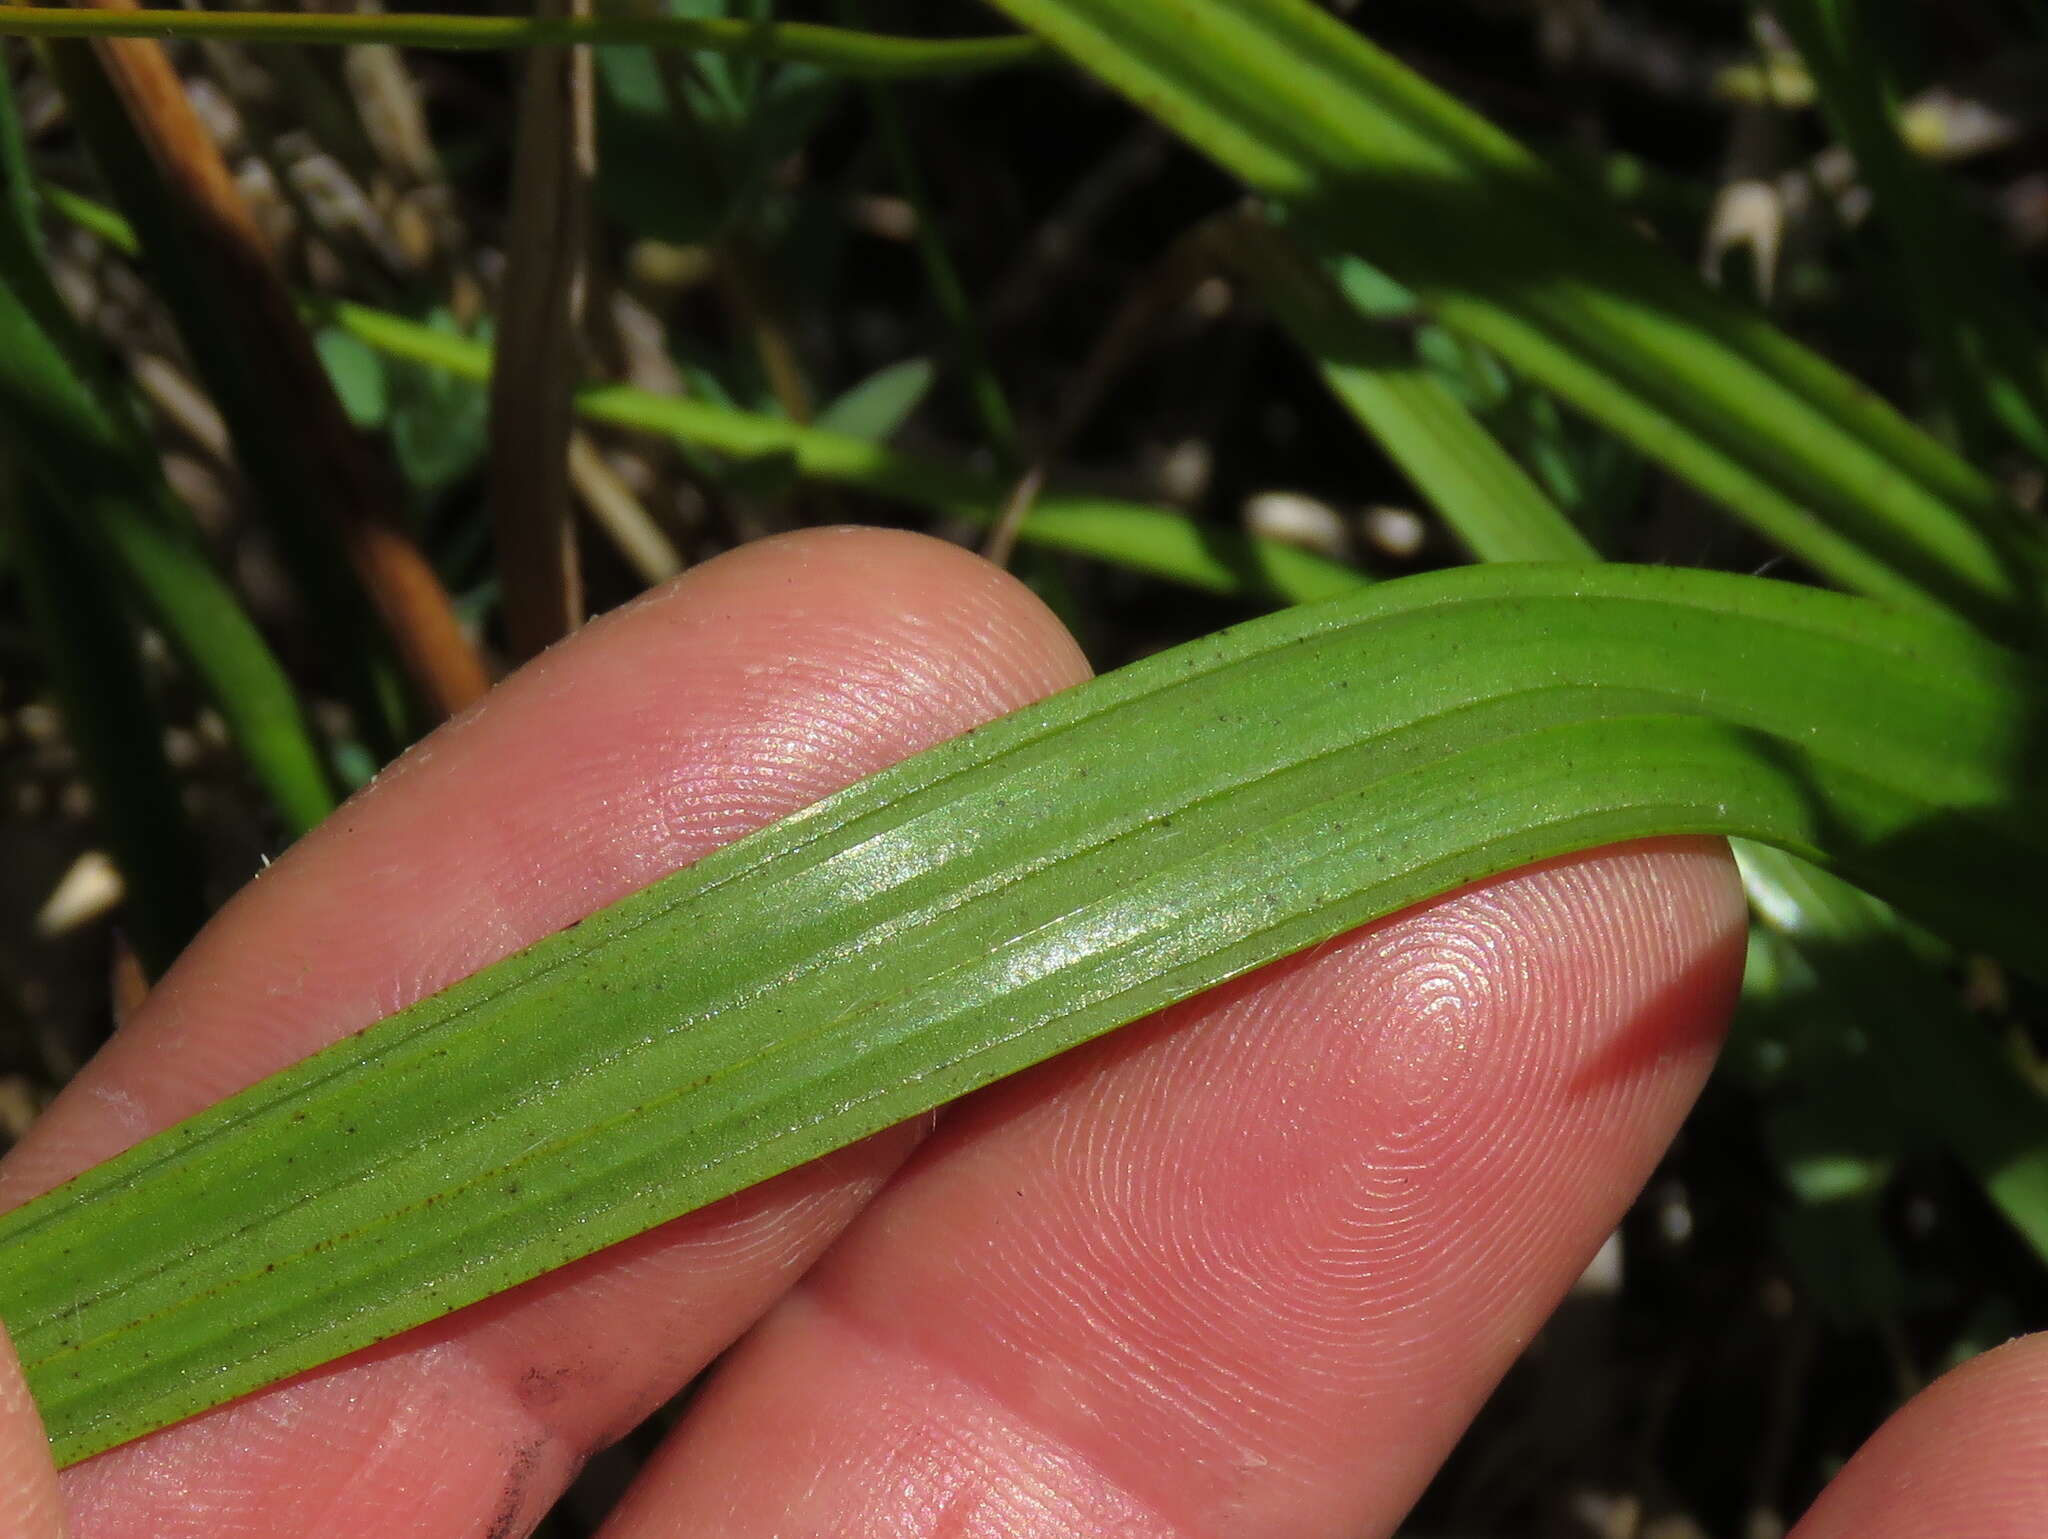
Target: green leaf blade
862,54
991,902
1492,504
1508,252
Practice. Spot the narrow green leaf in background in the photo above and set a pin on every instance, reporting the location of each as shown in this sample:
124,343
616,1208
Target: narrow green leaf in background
1942,1071
1503,249
1982,322
437,410
1496,510
949,292
71,429
1144,539
89,644
854,53
877,406
90,649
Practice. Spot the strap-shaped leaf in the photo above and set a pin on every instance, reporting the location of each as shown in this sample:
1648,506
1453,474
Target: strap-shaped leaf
1001,898
1504,250
872,55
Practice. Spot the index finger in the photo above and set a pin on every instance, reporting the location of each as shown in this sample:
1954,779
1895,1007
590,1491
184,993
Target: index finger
28,1481
757,684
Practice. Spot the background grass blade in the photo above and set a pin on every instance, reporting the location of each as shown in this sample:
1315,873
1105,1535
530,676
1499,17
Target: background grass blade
332,505
1497,511
95,670
1505,250
996,900
75,474
854,53
984,389
1944,1072
1982,322
1145,539
71,432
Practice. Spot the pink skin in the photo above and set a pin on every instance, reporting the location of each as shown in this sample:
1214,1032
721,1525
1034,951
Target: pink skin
30,1507
1245,1268
1967,1458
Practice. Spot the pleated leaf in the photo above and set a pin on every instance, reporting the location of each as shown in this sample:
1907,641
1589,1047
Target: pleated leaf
999,899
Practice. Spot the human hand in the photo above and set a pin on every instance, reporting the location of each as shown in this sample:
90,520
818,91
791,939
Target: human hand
1246,1268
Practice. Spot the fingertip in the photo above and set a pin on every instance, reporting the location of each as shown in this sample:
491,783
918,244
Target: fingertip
744,690
29,1504
1966,1456
1251,1264
884,587
748,687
